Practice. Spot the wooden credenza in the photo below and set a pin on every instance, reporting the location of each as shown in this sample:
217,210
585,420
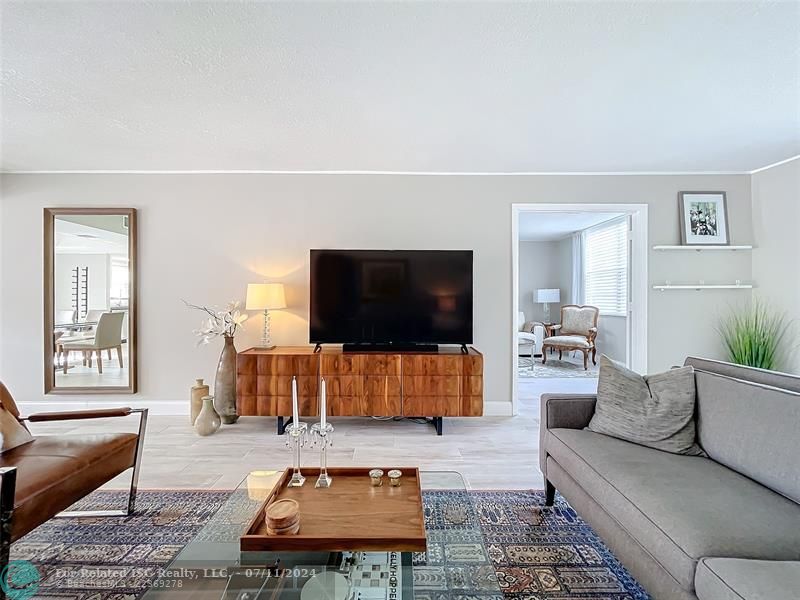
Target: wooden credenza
447,383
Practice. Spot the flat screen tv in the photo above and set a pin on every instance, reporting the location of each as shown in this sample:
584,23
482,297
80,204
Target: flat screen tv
391,297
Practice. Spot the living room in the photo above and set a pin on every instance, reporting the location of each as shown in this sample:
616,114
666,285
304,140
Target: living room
232,142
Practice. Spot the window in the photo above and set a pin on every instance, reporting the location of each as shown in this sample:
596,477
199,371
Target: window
606,267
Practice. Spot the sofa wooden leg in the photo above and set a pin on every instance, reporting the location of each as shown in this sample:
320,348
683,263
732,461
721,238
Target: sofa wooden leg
594,356
119,355
544,354
585,360
549,493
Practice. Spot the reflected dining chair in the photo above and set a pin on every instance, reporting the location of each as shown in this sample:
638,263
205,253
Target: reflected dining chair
107,335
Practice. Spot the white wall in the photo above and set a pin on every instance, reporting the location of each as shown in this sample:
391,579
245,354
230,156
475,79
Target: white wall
204,237
99,273
612,337
540,266
776,257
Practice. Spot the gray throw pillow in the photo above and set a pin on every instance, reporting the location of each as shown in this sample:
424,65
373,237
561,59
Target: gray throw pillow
654,410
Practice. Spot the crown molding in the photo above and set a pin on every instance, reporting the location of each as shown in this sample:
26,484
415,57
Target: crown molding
777,164
408,173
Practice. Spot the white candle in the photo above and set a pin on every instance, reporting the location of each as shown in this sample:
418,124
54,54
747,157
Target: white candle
323,408
295,409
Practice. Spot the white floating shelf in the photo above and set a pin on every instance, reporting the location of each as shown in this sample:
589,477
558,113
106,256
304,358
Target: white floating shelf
700,248
703,286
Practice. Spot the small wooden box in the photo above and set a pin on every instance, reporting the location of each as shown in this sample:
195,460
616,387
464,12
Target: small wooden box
350,515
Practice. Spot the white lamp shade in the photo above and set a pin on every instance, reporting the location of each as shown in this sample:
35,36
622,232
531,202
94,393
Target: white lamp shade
546,296
262,296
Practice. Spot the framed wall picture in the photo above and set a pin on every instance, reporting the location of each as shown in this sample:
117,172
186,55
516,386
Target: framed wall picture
704,218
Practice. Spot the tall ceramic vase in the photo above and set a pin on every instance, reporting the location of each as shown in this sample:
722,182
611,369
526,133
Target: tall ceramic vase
225,383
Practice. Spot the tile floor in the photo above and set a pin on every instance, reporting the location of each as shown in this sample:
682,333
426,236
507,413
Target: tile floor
490,452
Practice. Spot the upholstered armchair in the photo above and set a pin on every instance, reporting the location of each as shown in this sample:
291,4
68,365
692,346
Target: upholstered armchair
530,335
577,331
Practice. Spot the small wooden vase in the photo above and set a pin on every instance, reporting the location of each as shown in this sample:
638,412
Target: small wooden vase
199,390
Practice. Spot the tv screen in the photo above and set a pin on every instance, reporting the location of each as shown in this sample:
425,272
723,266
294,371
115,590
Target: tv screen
391,297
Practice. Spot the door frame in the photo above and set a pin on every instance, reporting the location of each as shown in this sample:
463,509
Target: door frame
637,277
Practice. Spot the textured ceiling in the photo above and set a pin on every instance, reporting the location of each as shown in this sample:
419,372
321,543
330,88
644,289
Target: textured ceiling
434,87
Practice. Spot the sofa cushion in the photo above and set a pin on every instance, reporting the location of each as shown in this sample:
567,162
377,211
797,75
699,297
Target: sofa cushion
680,508
653,410
751,428
568,341
744,579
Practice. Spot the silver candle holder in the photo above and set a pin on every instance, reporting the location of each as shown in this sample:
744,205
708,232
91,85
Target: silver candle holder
322,436
297,437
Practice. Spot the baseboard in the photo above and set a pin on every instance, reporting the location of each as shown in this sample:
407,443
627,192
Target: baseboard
497,409
155,407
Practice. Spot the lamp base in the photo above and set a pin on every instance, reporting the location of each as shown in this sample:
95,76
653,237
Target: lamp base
263,347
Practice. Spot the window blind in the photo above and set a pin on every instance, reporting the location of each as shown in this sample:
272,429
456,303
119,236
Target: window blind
606,267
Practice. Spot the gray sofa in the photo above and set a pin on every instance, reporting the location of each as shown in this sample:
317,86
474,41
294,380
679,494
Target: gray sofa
716,528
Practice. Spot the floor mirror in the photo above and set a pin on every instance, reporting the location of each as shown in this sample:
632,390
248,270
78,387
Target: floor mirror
90,300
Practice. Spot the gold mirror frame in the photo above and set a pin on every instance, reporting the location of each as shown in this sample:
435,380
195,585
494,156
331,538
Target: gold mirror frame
50,387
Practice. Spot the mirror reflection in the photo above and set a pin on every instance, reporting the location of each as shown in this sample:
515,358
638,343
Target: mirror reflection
91,291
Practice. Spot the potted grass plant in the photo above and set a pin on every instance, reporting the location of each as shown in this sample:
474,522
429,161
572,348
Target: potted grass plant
753,335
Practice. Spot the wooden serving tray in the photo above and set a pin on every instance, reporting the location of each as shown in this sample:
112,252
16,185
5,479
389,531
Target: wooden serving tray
349,515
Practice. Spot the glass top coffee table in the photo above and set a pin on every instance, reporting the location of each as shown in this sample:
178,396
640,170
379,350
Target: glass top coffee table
456,564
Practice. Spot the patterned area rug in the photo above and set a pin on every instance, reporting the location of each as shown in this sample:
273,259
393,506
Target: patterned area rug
568,366
537,553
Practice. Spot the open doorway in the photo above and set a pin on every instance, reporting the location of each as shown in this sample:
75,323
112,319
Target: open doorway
579,291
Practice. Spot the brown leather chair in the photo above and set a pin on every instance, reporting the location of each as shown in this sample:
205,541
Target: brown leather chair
41,478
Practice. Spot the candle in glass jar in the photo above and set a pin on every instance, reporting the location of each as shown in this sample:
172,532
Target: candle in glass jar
295,409
323,409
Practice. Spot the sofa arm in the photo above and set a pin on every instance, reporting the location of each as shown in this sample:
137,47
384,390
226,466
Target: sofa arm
566,411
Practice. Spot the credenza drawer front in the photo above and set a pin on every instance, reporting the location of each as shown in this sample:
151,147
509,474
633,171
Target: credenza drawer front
381,364
246,384
343,406
432,365
430,385
340,364
473,364
472,385
471,406
427,406
276,364
377,385
343,385
246,405
281,385
381,406
267,406
246,364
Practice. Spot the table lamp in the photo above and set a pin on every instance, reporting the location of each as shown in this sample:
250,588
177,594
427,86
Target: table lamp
266,297
546,297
